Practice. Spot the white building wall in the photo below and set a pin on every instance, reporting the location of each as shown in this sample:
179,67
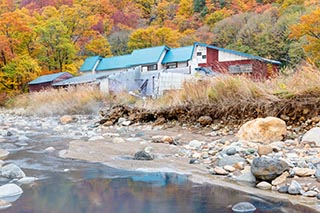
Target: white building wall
104,86
169,81
202,58
225,56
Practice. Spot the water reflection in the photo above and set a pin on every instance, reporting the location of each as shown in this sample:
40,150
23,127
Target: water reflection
140,192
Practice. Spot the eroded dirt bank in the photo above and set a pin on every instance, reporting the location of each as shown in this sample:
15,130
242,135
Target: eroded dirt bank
297,112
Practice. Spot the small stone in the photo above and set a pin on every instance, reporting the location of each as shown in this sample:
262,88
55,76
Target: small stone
312,136
3,154
318,196
143,155
194,161
230,160
11,171
66,119
50,149
317,173
118,140
264,149
4,204
282,178
303,172
243,207
167,139
264,185
220,171
283,189
246,176
126,123
195,144
27,180
204,120
310,194
229,168
239,165
108,123
231,151
95,138
294,188
148,149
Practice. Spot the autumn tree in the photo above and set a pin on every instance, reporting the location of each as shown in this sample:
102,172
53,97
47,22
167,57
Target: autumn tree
153,36
309,29
18,72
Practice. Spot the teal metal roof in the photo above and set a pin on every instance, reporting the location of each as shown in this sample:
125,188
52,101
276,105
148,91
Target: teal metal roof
116,62
47,78
137,57
89,63
240,54
147,55
178,54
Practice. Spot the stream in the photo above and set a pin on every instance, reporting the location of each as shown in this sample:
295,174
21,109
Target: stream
66,185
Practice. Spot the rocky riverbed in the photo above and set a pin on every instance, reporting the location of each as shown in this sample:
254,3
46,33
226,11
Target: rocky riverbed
263,156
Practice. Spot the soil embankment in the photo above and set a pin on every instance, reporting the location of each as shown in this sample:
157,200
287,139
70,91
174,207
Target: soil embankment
296,112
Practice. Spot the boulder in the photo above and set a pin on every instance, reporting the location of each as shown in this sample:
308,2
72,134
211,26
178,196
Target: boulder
143,155
268,168
312,136
265,130
11,171
3,154
205,120
10,192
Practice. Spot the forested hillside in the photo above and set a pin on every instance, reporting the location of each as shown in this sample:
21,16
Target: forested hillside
40,36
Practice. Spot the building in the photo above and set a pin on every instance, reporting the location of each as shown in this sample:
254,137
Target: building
46,81
187,60
233,62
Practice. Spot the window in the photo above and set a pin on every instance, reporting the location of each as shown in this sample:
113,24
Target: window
199,53
152,67
240,68
172,65
204,57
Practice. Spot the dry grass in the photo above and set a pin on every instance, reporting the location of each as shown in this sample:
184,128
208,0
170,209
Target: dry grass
227,94
230,90
73,100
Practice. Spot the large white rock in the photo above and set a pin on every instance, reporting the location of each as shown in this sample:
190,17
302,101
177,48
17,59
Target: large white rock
265,130
10,192
313,135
